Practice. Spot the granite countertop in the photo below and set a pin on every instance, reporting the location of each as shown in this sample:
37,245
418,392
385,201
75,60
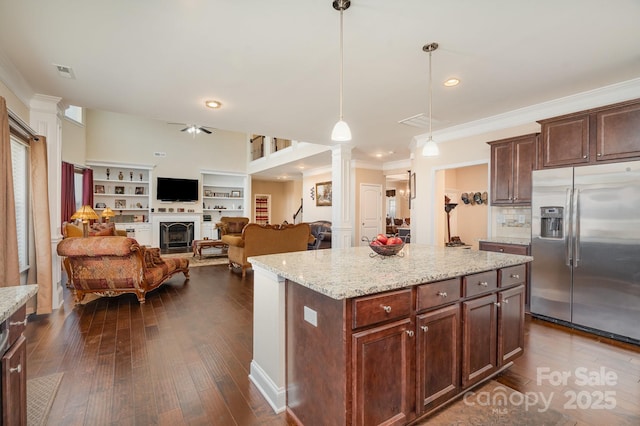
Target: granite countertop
12,298
508,240
350,272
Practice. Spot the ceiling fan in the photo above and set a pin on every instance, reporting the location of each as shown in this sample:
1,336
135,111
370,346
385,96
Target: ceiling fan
194,129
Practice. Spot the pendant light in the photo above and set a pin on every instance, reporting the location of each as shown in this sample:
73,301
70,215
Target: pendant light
430,149
341,131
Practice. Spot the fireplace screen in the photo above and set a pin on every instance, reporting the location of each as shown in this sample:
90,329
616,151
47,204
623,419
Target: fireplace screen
175,236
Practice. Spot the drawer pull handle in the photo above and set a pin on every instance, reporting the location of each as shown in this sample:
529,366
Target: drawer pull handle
386,308
18,369
442,294
424,328
483,284
501,250
18,322
516,276
409,332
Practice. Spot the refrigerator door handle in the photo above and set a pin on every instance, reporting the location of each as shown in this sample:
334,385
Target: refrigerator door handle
576,226
568,252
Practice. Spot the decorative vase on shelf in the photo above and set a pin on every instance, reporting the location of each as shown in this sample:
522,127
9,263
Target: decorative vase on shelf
108,173
130,175
120,176
140,176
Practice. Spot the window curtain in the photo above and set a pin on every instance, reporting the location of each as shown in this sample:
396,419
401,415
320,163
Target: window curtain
68,192
9,265
87,187
41,225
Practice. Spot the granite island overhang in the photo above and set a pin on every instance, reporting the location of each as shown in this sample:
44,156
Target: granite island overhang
344,275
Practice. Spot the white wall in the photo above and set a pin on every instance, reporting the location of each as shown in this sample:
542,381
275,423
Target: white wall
311,212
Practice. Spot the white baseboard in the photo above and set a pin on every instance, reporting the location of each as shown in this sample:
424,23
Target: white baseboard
275,396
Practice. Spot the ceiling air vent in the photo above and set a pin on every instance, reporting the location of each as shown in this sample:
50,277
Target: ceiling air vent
64,71
419,120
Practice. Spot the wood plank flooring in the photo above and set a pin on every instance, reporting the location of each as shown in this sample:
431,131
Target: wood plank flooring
183,359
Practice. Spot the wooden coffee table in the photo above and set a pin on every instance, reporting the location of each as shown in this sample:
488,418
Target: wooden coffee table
198,245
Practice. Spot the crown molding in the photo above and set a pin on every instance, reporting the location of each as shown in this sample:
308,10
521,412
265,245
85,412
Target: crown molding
618,92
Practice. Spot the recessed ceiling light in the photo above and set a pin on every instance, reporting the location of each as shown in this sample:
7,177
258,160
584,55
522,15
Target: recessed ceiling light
213,104
452,82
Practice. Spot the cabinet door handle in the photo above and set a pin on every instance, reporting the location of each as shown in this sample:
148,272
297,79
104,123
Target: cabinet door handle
505,301
19,322
599,154
442,294
18,369
515,276
483,284
584,156
386,308
409,332
497,304
424,328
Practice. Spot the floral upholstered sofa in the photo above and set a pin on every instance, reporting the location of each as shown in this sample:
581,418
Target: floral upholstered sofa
112,265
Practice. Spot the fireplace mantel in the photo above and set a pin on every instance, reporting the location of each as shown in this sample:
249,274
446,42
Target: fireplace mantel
157,218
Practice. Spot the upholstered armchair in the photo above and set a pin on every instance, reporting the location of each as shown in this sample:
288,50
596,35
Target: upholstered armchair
257,240
110,266
232,225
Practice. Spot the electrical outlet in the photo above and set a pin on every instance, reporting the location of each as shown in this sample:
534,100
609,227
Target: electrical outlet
521,218
311,316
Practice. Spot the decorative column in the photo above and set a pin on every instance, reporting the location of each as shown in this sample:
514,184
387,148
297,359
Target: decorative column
343,203
45,120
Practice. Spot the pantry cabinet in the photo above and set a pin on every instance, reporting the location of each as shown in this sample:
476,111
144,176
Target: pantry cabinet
13,370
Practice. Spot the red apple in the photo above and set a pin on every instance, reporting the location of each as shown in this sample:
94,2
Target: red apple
394,241
376,243
382,238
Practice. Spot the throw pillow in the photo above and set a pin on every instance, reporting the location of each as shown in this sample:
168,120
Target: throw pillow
71,230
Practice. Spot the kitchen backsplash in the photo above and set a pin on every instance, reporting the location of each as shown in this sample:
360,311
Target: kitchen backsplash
513,222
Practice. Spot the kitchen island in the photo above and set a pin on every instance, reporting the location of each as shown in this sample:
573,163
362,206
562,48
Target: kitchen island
341,337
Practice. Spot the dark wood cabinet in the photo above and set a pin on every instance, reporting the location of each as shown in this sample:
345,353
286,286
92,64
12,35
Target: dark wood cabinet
381,369
521,249
393,357
605,134
479,339
437,357
13,370
512,161
510,324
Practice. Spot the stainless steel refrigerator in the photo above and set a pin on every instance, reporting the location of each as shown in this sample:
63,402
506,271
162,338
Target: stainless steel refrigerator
586,247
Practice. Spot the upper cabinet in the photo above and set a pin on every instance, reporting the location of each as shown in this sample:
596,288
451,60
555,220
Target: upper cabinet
604,134
512,161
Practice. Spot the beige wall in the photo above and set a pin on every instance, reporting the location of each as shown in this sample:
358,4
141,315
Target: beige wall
285,198
74,142
311,212
14,103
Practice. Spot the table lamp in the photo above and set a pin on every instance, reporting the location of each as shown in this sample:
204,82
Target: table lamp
107,214
85,213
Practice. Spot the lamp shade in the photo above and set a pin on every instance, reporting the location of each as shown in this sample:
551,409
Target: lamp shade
107,213
341,132
85,213
430,148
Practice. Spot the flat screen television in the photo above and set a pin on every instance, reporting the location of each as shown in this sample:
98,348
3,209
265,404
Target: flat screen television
172,189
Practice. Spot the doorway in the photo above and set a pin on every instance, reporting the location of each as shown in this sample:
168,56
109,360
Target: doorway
370,211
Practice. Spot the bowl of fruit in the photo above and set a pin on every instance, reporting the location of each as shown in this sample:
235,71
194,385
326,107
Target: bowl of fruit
385,246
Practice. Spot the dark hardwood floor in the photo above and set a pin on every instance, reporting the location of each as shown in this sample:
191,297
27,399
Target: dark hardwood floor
184,356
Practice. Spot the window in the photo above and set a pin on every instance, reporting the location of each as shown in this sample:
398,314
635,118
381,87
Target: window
20,166
75,113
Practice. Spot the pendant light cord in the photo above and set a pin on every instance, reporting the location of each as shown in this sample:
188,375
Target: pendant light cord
341,62
430,95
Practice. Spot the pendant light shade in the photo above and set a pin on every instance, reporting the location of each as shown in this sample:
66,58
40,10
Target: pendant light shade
341,131
430,149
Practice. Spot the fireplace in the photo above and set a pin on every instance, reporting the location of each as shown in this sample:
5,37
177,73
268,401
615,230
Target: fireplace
175,236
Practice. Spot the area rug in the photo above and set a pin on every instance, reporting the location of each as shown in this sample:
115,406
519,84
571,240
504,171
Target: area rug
195,261
496,404
41,391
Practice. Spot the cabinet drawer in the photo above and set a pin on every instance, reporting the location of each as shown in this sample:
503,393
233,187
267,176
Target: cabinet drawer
439,293
505,248
480,283
381,307
17,323
513,275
